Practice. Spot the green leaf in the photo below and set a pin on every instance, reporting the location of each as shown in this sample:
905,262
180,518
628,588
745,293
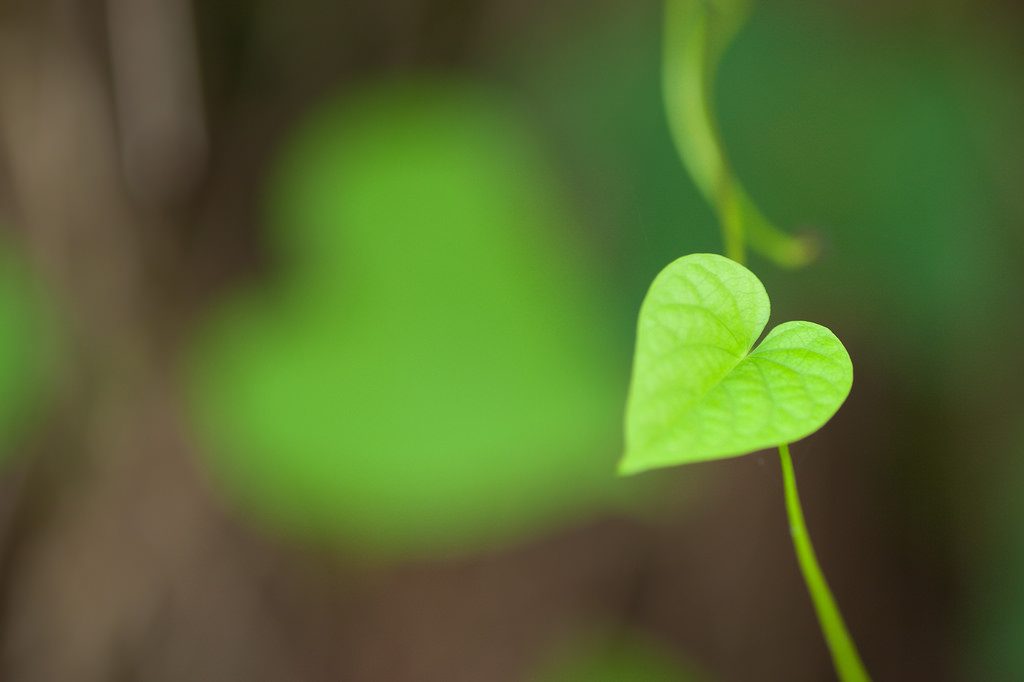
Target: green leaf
699,392
26,348
435,371
625,657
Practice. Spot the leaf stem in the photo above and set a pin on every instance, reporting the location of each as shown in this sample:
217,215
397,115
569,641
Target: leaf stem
697,32
844,653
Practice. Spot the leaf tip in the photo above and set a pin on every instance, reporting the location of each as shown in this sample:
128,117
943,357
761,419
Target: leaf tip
628,466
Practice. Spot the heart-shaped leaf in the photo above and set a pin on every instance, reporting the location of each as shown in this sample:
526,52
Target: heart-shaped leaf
435,372
698,391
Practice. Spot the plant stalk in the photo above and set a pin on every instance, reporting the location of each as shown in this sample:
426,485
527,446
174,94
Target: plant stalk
697,32
844,652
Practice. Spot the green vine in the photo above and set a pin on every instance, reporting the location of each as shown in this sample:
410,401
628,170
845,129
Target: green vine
701,390
696,35
844,651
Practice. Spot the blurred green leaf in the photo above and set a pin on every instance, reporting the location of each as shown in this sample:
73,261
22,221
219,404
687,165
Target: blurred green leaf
699,392
24,344
435,372
629,659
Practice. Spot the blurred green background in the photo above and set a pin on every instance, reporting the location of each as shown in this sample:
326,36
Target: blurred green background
347,295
